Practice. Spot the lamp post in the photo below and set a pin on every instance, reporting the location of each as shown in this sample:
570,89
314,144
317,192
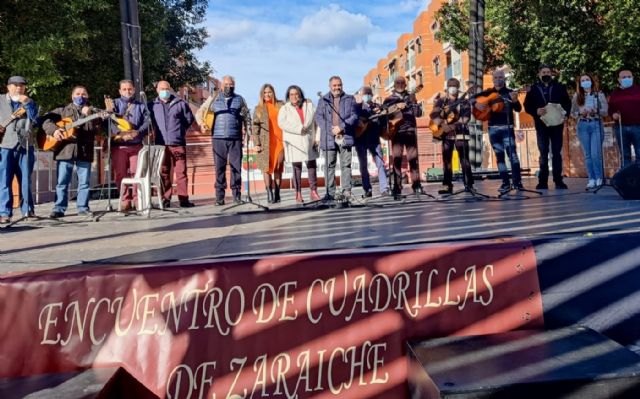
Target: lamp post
131,48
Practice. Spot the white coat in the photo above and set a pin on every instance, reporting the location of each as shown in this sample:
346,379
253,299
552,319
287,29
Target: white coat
298,137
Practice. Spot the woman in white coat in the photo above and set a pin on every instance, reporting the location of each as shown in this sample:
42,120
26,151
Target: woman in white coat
295,118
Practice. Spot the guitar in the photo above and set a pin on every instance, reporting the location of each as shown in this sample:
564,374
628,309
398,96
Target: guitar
48,143
395,116
489,102
17,114
122,124
436,124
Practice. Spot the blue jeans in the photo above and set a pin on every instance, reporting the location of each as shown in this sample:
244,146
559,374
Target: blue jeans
65,172
17,163
630,137
376,153
503,140
590,136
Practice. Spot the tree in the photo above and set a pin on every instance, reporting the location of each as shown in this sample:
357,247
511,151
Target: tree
81,44
575,36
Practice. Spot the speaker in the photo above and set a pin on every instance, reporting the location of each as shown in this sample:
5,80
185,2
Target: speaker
627,182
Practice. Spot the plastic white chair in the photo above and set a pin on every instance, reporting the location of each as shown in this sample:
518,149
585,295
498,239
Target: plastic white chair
142,177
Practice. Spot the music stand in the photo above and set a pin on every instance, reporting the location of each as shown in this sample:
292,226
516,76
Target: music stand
248,200
604,177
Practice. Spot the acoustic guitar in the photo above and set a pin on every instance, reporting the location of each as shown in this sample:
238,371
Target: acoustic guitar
395,117
122,124
436,124
489,102
17,114
48,143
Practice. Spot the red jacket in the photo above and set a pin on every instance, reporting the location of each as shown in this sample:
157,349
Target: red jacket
627,103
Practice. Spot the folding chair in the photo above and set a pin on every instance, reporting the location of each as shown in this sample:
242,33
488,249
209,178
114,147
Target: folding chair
145,177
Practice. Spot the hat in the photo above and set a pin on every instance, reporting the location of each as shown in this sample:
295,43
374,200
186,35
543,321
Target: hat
453,82
17,80
400,79
366,90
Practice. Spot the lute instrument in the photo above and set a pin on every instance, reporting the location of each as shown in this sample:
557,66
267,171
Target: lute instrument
17,114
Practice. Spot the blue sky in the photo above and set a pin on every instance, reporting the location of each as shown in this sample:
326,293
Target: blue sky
302,42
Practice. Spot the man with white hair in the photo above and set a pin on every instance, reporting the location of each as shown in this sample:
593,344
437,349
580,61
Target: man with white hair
231,116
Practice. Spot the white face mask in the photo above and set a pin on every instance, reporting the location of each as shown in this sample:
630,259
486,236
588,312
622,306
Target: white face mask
15,98
452,90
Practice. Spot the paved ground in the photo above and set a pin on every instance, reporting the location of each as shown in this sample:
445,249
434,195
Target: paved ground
208,231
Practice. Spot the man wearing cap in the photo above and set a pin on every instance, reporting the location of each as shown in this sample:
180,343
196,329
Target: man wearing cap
540,94
17,156
406,134
368,142
453,114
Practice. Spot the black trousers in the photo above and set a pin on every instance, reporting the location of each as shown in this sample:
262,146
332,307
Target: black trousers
408,142
462,146
550,136
230,150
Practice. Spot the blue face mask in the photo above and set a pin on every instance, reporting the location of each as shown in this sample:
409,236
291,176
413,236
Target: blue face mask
586,84
79,100
625,83
164,94
366,98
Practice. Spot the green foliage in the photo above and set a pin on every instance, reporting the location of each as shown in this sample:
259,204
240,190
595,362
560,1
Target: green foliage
574,36
57,44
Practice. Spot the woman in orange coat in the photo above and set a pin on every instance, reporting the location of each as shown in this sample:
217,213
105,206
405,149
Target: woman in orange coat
267,139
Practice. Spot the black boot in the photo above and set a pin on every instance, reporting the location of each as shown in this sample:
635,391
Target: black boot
270,198
276,193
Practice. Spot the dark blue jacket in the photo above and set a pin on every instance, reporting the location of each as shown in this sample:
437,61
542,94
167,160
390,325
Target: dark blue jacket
371,136
230,115
171,120
136,115
348,120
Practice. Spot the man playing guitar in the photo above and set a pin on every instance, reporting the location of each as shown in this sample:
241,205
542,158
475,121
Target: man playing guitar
125,145
406,135
501,133
452,113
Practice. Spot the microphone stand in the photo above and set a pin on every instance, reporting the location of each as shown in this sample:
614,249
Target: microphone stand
248,200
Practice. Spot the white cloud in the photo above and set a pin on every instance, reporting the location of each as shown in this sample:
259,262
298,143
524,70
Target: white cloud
230,31
334,27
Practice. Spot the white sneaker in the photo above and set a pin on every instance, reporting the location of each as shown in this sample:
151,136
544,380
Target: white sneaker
591,184
598,182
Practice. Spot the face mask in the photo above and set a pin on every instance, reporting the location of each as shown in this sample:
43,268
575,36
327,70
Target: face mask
15,98
452,90
366,98
164,94
546,79
228,91
626,83
79,101
498,82
585,84
126,99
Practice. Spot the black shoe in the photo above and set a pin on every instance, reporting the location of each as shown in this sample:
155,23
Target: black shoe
56,214
186,204
505,187
166,203
418,190
368,194
561,186
270,196
542,186
446,190
220,202
86,213
276,194
237,200
518,186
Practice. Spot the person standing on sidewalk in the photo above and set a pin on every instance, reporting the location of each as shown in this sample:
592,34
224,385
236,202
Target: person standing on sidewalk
171,118
540,94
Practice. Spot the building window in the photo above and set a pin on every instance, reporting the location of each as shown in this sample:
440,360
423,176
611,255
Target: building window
418,45
419,79
436,65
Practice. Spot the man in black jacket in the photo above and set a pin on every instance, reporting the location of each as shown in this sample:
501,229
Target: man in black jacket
542,93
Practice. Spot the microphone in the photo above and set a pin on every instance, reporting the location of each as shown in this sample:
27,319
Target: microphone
319,94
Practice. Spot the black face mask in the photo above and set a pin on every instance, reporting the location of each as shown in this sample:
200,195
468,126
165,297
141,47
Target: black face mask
228,91
546,79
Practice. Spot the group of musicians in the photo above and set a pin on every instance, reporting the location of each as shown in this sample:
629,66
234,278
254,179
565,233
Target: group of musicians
297,129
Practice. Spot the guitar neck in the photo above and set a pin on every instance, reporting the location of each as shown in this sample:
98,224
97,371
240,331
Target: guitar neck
82,121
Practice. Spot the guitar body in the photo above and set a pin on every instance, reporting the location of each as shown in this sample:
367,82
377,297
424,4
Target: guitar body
492,102
436,129
209,117
361,127
48,143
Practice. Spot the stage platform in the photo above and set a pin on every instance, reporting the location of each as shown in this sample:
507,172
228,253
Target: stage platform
415,268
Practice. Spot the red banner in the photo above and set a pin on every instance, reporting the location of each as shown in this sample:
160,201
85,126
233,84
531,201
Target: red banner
317,325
